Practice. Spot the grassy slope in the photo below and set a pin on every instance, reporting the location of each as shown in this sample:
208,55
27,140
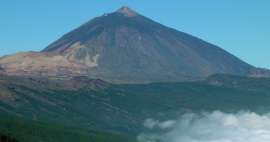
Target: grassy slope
123,108
33,131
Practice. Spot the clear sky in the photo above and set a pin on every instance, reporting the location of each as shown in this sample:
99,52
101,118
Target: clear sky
241,27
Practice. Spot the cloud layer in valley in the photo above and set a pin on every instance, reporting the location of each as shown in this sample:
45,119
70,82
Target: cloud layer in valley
210,127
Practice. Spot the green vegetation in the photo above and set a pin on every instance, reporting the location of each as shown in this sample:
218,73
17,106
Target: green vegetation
33,131
123,108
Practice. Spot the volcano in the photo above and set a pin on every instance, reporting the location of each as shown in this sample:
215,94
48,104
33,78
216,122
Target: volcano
126,47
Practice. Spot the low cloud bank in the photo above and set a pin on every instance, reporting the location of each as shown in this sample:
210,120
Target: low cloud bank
210,127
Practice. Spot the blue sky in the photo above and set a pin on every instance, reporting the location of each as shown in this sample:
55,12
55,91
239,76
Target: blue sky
238,26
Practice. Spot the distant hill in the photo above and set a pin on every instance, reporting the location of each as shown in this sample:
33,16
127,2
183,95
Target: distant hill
126,47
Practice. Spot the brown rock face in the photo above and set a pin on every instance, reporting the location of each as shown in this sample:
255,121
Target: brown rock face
126,47
127,11
35,63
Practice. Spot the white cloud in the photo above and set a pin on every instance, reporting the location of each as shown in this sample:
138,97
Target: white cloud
210,127
151,124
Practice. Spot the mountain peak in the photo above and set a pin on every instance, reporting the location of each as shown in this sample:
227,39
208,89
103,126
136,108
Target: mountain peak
127,11
126,47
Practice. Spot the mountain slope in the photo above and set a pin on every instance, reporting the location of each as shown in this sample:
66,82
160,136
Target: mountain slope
35,131
123,108
135,47
126,47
